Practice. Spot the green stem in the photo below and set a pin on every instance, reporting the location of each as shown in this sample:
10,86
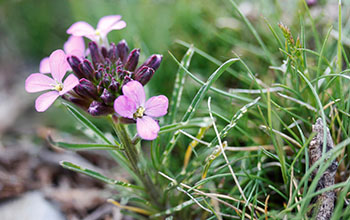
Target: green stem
132,155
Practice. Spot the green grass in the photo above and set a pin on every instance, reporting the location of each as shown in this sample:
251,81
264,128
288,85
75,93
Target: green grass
252,58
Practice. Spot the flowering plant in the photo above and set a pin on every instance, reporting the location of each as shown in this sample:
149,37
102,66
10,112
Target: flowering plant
110,83
106,81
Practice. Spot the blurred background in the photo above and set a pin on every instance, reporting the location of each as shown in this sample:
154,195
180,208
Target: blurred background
32,29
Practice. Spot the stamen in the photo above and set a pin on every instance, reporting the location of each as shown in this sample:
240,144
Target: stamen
139,112
58,87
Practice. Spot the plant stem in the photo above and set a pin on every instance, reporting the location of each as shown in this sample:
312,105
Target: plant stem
132,155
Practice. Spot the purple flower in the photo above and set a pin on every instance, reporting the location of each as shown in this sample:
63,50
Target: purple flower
104,26
38,82
133,105
73,46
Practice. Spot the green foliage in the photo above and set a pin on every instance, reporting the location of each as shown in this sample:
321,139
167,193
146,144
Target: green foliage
242,61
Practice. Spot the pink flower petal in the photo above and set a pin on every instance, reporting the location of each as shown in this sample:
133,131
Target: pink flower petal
125,106
74,46
156,106
69,83
110,22
44,101
44,65
82,29
134,90
38,82
58,65
147,128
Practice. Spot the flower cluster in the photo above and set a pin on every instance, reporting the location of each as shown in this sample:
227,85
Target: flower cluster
101,81
110,82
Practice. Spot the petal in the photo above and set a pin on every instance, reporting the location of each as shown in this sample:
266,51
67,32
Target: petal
134,90
44,101
82,29
156,106
125,106
110,22
68,84
58,65
38,82
74,46
147,128
44,65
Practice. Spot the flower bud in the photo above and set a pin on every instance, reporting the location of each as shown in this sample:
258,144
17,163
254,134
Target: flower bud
106,80
122,50
112,53
82,103
153,61
98,109
96,56
87,69
107,97
104,52
144,75
86,88
100,88
74,64
133,60
126,80
114,86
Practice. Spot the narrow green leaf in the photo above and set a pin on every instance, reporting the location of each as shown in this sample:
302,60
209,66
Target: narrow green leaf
196,122
97,175
195,103
233,121
87,123
179,85
72,146
227,94
118,156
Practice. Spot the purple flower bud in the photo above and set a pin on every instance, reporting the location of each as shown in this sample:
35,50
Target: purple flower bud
74,64
144,75
153,61
87,69
126,80
107,97
122,73
133,60
106,80
82,103
114,86
104,52
123,50
112,53
100,73
86,88
95,54
100,88
98,109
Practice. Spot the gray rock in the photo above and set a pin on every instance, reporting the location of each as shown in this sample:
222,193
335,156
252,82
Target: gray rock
31,206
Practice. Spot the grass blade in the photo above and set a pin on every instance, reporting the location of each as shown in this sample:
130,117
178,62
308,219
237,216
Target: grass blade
97,175
179,85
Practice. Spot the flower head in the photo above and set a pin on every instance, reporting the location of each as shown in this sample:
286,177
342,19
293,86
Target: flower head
102,79
38,82
133,105
104,26
73,46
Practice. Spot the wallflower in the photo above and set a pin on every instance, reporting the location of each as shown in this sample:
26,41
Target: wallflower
38,82
132,105
103,76
73,46
104,26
